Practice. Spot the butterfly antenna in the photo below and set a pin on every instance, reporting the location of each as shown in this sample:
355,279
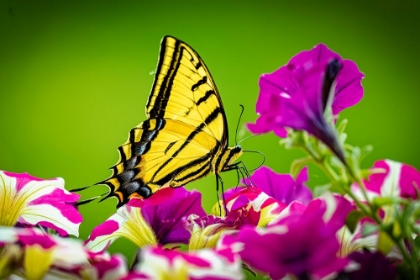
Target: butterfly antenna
256,152
239,121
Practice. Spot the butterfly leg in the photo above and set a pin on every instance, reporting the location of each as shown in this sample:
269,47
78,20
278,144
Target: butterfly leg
220,180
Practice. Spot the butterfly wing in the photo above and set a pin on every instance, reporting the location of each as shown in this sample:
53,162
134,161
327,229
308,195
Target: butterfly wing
183,89
186,128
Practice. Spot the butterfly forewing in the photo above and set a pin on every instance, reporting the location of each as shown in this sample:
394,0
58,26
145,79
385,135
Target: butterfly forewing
184,90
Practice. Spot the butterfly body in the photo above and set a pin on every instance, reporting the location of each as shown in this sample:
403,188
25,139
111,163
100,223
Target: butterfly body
185,136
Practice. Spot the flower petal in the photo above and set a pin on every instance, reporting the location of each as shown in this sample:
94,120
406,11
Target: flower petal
166,218
127,222
33,201
282,187
391,179
158,263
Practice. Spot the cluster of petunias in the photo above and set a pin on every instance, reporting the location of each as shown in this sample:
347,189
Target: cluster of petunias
362,224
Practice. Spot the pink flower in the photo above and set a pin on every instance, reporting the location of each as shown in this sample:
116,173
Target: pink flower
33,254
298,95
393,179
302,243
32,201
282,187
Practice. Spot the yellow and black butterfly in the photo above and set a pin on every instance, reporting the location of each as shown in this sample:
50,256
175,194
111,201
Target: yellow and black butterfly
185,136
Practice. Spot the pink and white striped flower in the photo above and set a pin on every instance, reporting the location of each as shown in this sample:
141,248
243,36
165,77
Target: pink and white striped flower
30,253
159,263
392,179
32,201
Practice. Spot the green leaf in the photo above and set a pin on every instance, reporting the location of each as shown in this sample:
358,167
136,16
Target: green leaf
385,243
405,271
366,150
396,230
368,229
352,219
380,201
342,125
297,165
319,190
417,241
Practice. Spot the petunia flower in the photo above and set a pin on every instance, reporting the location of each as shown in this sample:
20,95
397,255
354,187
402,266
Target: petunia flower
206,230
298,94
371,265
282,187
356,241
257,203
303,244
149,225
105,266
158,263
33,254
37,254
392,179
32,201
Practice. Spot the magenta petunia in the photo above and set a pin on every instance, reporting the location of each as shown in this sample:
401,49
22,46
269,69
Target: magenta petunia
28,200
149,224
285,247
282,187
298,94
166,218
257,204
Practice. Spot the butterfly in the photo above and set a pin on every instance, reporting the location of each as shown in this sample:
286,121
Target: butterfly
185,135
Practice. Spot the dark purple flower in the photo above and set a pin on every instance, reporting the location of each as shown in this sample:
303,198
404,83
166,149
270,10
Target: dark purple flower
303,243
166,218
148,224
282,187
298,94
373,265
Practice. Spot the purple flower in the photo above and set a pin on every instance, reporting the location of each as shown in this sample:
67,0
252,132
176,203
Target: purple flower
298,94
372,265
166,218
28,200
149,225
206,264
282,187
303,243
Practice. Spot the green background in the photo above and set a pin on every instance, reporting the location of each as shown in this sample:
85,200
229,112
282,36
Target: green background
75,76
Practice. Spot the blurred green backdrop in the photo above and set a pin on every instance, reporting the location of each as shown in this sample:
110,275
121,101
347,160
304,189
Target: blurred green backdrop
75,76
